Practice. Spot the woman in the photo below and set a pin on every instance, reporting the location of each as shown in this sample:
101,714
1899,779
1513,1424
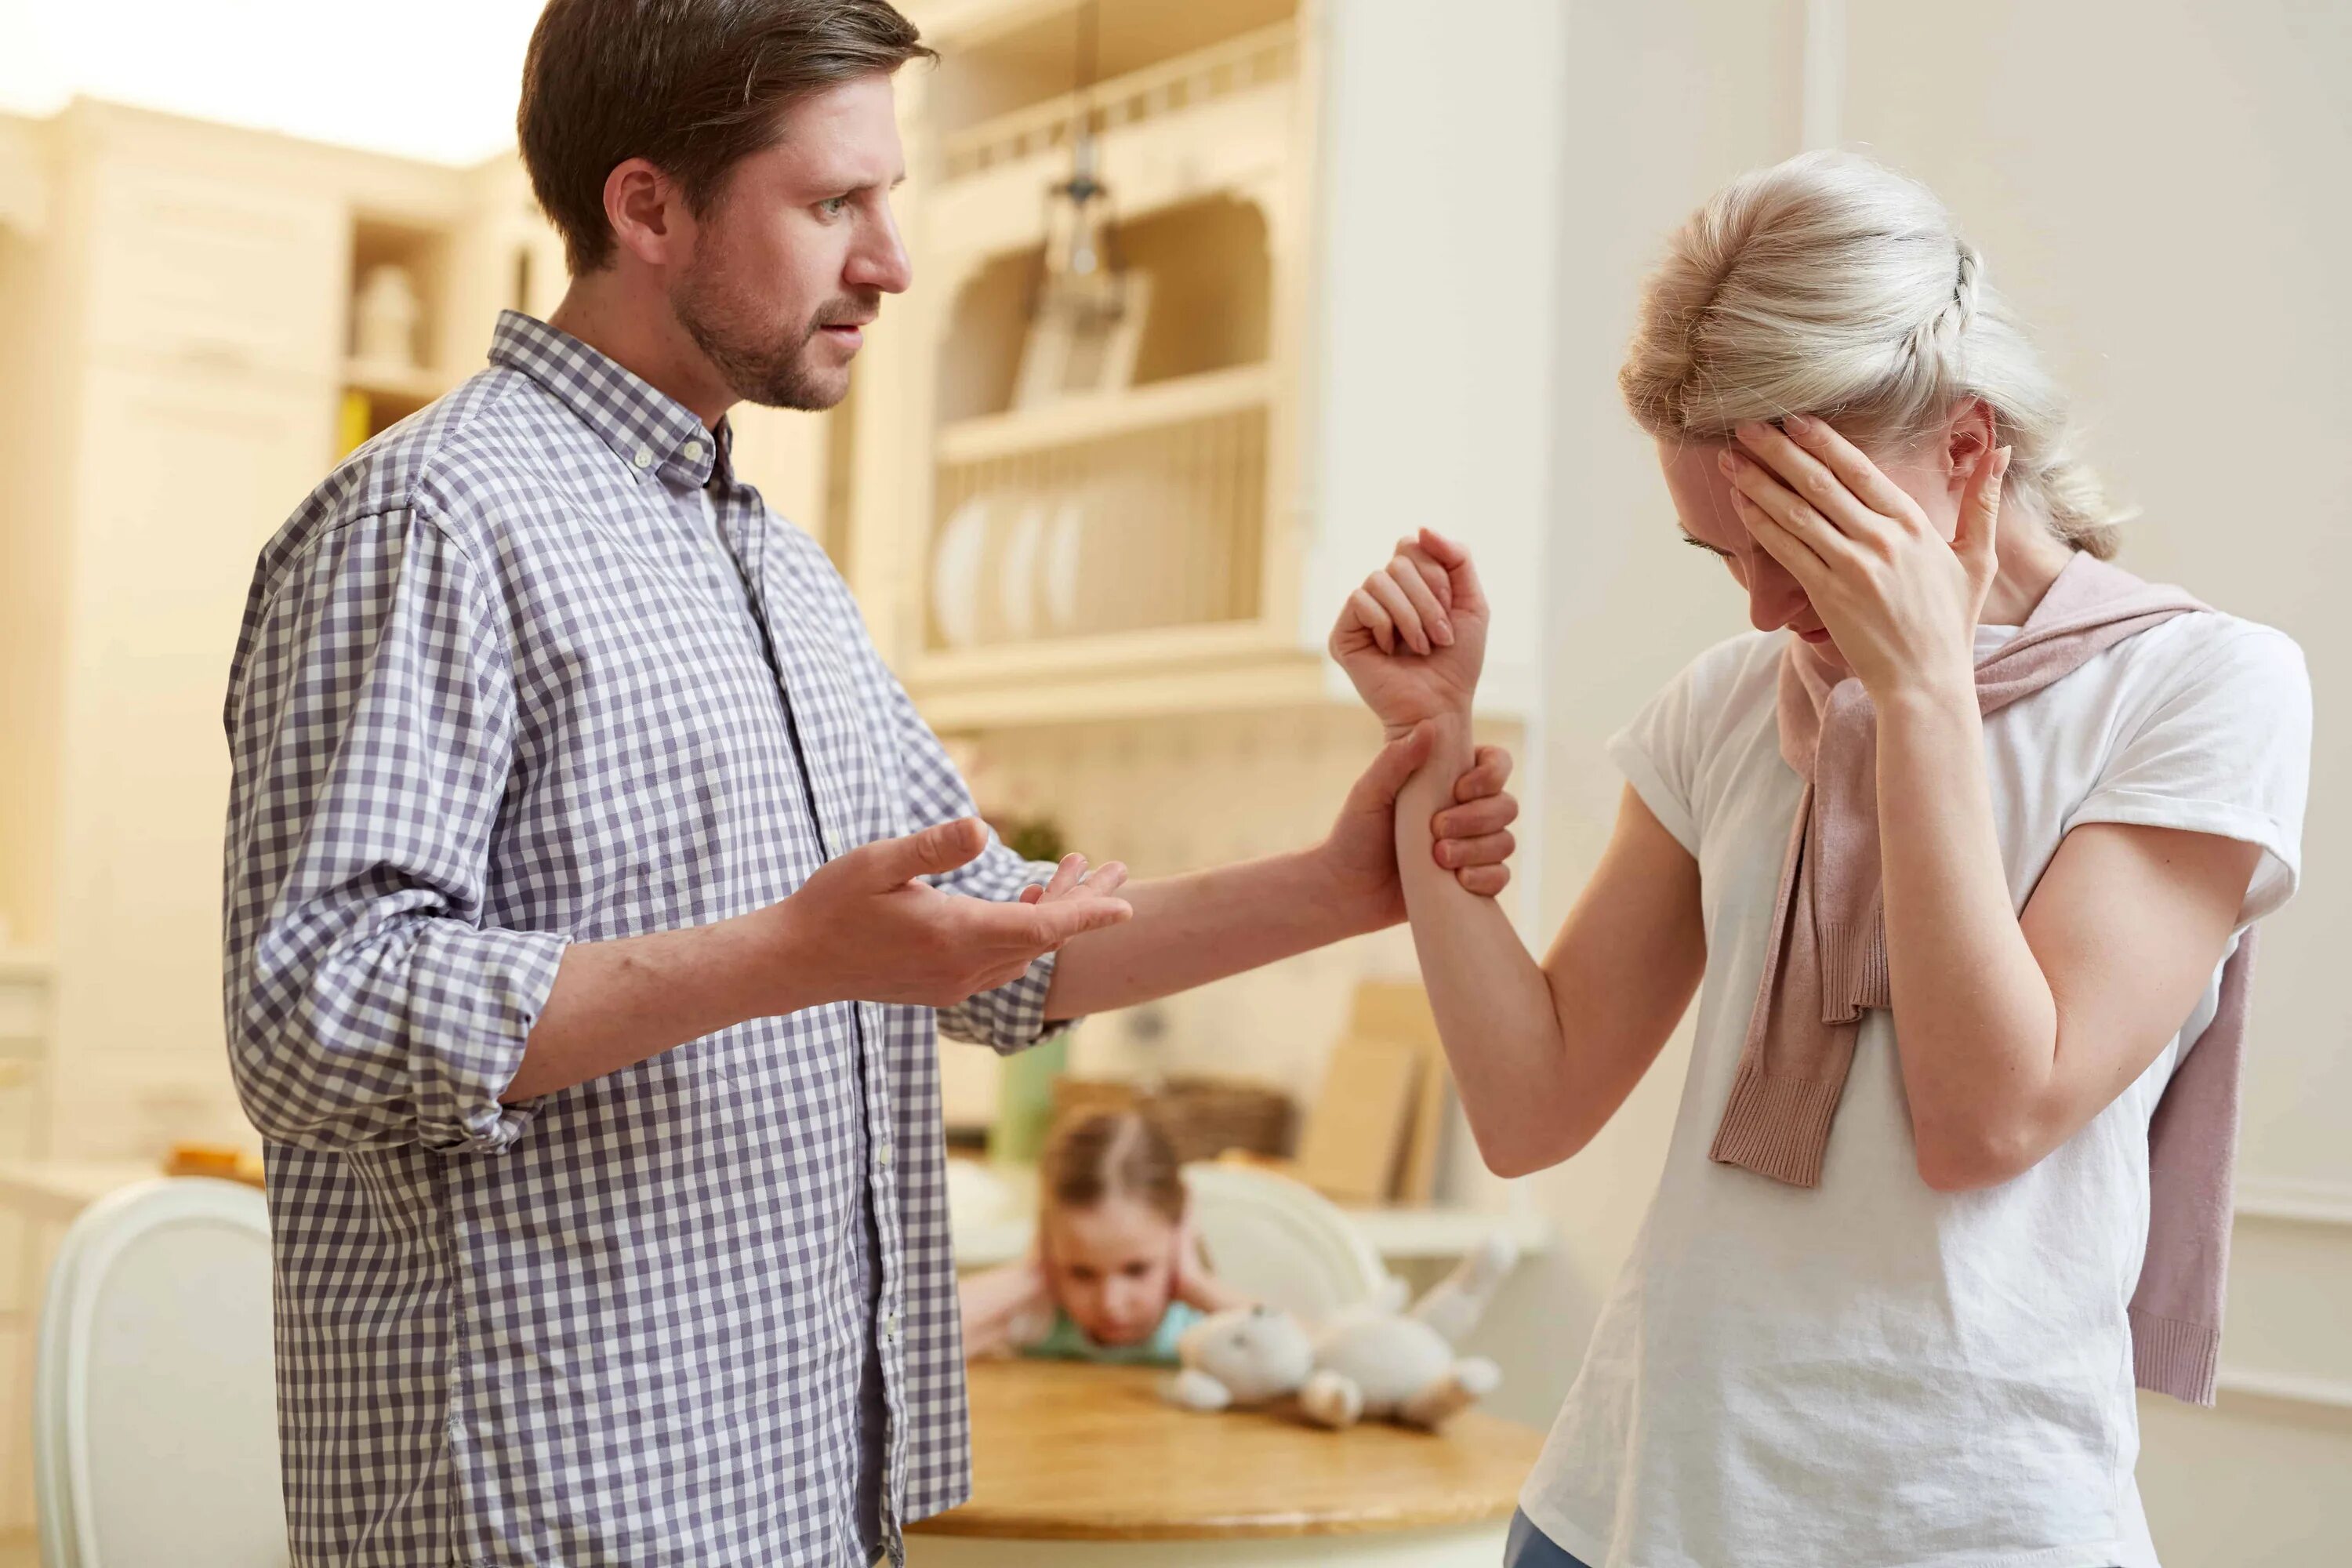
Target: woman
1954,847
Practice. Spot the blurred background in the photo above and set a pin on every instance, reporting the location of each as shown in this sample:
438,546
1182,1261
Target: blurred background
1365,265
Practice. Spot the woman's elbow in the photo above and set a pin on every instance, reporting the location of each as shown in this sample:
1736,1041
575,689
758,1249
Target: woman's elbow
1507,1162
1511,1156
1971,1157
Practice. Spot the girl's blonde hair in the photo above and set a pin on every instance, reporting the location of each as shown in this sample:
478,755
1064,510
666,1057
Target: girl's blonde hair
1097,1156
1830,285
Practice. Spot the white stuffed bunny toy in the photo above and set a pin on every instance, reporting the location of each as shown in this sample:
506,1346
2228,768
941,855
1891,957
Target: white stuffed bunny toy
1373,1361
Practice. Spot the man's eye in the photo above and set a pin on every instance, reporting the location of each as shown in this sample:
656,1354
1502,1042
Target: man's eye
834,207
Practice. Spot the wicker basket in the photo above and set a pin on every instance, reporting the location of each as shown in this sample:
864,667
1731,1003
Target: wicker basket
1202,1117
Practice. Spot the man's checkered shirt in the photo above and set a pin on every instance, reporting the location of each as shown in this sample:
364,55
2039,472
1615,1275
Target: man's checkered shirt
494,693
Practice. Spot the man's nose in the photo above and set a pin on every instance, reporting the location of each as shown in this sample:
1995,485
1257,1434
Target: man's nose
880,260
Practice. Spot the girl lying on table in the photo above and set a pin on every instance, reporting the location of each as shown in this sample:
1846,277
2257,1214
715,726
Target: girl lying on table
1116,1274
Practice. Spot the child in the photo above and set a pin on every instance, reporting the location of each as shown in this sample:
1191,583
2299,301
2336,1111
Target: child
1116,1274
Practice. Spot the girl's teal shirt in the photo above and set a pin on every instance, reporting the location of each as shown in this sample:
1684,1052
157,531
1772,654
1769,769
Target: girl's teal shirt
1067,1342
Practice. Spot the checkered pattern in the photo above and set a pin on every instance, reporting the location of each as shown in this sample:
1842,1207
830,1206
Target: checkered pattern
494,695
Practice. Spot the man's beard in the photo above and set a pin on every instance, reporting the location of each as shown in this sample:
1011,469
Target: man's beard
777,371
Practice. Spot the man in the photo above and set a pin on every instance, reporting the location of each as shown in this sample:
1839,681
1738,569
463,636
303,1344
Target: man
594,892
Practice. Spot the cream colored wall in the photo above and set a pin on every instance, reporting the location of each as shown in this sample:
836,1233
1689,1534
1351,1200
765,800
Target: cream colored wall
1625,605
1437,220
2159,186
32,548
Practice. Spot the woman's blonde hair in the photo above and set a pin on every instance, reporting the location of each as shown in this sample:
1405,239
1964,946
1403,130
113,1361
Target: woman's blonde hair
1830,285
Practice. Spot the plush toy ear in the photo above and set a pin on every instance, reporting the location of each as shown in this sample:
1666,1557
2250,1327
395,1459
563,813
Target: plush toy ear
1196,1390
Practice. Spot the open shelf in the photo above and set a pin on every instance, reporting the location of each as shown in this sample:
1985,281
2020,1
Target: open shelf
395,383
378,392
1099,541
1077,420
1138,506
1150,526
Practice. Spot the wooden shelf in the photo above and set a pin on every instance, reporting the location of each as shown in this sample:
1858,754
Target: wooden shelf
407,383
1165,88
1077,420
1236,143
1221,667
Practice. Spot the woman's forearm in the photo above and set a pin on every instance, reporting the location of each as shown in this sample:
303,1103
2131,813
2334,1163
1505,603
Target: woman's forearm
1977,1027
1203,926
1494,1006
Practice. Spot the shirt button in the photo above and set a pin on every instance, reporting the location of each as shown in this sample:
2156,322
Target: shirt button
694,451
890,1328
882,1154
645,456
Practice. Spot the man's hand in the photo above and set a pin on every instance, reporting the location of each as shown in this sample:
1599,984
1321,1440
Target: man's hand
1471,836
1073,880
863,928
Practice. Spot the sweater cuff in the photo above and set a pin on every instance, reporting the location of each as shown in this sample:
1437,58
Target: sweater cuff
1776,1127
2169,1356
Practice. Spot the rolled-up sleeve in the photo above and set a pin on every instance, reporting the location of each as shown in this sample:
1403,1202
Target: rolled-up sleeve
371,722
1011,1017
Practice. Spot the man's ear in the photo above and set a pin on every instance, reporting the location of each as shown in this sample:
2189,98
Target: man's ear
1969,442
648,213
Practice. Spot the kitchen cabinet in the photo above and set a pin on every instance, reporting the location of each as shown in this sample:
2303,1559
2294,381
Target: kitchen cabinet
1330,355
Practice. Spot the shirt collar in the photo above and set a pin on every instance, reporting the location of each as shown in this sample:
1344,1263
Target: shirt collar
649,431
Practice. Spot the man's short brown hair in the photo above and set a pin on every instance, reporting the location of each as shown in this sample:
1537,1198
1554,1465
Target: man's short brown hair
691,86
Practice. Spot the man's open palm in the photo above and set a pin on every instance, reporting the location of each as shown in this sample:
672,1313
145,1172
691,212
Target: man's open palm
880,934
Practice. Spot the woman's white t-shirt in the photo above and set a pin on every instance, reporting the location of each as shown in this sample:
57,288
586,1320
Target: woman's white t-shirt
1872,1373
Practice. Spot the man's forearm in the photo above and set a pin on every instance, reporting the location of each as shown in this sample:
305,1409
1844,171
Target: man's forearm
618,1003
1205,926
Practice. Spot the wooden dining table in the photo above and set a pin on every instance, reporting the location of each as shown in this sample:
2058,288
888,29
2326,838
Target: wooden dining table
1075,1464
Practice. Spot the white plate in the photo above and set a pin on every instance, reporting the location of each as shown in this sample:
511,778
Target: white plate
1016,580
1061,574
955,573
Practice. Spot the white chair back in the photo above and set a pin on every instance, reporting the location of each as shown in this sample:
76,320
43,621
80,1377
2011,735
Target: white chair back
155,1422
1280,1241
